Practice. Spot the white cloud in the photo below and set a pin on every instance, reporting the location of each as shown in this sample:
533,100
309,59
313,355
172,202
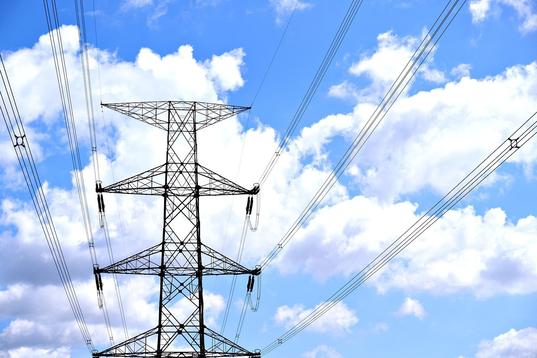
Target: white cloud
511,344
525,9
31,301
173,76
155,9
384,64
411,307
458,124
465,252
340,319
461,70
479,9
284,8
225,70
136,4
23,352
496,254
322,351
343,90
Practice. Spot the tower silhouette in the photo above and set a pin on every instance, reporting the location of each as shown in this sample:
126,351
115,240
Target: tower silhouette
180,259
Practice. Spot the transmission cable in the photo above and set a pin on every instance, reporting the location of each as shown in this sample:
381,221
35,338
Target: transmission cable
426,46
314,85
501,154
253,227
306,99
56,43
84,61
15,127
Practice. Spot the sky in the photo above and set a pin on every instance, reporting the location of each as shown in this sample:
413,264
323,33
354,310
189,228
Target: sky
465,288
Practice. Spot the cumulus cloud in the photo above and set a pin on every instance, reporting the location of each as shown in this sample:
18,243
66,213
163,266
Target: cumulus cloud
411,307
465,252
322,351
173,76
344,233
384,64
513,343
343,90
525,9
340,319
225,70
461,70
284,8
31,297
459,124
23,352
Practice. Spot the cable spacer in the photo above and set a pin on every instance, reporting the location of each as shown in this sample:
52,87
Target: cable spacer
19,141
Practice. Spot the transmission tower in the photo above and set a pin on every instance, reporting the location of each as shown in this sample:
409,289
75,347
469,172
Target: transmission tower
180,260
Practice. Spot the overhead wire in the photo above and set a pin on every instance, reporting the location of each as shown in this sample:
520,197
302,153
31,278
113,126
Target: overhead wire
84,61
56,42
15,127
313,86
247,222
497,157
419,56
312,89
234,278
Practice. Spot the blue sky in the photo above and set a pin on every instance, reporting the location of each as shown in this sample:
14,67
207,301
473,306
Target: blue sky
466,288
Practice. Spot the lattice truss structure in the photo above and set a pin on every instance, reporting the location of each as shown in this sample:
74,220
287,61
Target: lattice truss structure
180,260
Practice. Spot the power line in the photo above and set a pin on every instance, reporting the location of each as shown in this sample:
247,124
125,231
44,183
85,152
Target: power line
274,55
56,44
314,85
428,43
247,222
12,119
503,152
306,99
84,61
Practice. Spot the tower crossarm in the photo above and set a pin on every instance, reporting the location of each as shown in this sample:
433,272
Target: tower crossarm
152,182
155,113
212,184
147,262
149,182
142,345
211,113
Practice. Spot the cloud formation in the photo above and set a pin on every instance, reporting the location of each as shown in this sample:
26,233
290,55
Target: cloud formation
339,320
525,10
411,307
284,8
513,343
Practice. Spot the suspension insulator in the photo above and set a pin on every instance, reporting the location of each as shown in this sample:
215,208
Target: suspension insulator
100,202
98,280
249,205
251,281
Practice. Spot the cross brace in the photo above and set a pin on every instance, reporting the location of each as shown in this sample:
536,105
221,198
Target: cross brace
180,260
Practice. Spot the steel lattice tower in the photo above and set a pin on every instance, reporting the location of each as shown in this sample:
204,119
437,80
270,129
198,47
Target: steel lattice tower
180,260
